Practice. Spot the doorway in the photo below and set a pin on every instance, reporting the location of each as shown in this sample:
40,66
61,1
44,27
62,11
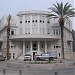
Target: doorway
34,53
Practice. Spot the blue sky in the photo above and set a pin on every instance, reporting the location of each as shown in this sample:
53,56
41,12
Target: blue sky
14,6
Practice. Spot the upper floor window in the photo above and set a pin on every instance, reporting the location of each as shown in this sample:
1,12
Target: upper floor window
48,31
32,20
43,21
27,30
48,22
20,21
20,30
35,31
26,21
42,30
35,20
27,45
12,32
40,21
57,32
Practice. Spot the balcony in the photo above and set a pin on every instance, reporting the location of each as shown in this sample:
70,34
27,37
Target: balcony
34,36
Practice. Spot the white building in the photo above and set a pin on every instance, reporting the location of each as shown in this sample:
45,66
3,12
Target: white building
31,32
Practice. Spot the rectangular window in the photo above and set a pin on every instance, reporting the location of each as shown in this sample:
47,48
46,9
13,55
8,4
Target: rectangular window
35,45
12,32
42,30
27,30
59,31
27,45
20,19
35,31
35,20
42,44
26,21
20,30
56,32
48,31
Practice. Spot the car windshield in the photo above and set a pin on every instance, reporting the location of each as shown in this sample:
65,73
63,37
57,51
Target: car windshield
27,55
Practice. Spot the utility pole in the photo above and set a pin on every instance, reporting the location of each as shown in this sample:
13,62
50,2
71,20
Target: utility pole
8,34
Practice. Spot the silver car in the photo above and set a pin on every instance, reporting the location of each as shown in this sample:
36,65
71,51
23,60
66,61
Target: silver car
27,57
44,56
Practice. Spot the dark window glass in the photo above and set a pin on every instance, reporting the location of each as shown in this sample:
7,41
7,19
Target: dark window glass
48,33
12,32
48,22
43,21
26,21
35,20
20,21
59,54
40,21
54,46
11,46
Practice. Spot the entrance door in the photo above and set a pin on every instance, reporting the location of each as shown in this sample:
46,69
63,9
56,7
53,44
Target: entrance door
34,53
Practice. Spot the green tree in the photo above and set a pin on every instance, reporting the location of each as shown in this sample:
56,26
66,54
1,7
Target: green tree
8,34
62,12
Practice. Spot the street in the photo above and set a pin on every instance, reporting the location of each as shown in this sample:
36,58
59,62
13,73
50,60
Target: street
14,68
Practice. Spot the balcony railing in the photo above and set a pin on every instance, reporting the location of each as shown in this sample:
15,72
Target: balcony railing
34,36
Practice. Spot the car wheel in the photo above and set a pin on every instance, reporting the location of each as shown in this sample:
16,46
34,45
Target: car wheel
51,58
38,59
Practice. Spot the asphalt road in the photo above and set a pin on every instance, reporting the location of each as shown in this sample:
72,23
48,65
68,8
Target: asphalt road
36,69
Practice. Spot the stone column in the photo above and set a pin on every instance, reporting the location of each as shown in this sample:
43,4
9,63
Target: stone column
31,49
45,46
38,47
23,47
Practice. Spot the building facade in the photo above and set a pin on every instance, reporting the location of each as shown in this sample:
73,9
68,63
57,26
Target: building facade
32,32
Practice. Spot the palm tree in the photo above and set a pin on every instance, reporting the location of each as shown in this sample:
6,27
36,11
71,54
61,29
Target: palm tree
62,12
8,34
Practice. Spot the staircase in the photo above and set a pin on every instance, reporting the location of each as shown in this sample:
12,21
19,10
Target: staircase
20,54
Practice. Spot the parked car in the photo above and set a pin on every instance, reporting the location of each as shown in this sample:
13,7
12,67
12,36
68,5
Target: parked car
44,56
27,57
2,58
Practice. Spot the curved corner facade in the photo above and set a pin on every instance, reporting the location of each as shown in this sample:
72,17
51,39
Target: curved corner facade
32,32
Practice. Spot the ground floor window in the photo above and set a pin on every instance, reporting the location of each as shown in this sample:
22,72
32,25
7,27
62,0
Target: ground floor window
34,45
27,45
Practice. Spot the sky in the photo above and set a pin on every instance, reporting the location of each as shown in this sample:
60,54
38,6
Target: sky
14,6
